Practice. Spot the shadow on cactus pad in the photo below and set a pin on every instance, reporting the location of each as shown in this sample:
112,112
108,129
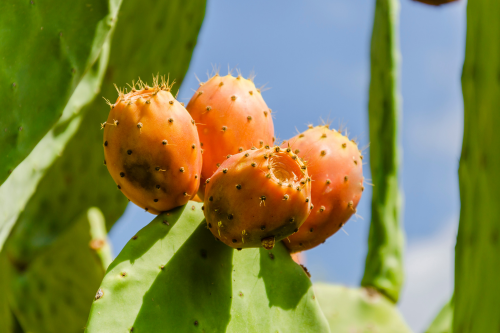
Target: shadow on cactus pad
359,310
173,276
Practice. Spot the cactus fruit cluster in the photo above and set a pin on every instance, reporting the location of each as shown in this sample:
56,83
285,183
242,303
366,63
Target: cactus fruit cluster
336,168
151,147
258,197
232,117
253,196
255,193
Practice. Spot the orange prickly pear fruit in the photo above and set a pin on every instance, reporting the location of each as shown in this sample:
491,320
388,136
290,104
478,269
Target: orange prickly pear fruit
335,166
435,2
151,148
231,117
257,198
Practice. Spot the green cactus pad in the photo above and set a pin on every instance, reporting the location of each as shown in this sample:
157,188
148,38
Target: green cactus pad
384,261
477,259
5,314
173,276
54,292
47,47
64,192
359,310
17,190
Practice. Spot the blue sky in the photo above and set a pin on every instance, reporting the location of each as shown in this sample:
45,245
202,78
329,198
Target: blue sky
315,57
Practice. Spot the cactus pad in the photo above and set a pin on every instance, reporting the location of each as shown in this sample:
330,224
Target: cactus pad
173,276
61,282
360,310
18,189
47,47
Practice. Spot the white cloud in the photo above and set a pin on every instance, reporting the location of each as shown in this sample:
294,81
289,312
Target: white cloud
429,268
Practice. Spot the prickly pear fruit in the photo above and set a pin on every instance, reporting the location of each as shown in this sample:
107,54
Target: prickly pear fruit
151,148
232,117
257,197
435,2
335,165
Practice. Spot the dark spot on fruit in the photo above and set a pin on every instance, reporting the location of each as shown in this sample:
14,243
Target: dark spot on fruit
210,225
307,199
202,207
105,143
271,256
140,173
193,146
224,170
119,187
104,162
181,169
146,209
254,164
122,174
165,222
155,200
196,323
263,198
134,237
203,253
157,168
239,249
311,230
292,219
164,142
263,227
211,199
300,244
296,230
170,120
129,152
234,240
230,217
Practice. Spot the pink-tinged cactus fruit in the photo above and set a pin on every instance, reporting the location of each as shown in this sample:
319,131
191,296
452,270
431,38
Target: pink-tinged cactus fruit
231,117
257,197
335,166
152,149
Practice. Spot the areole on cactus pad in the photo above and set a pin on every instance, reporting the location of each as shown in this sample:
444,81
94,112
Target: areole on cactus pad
258,197
335,167
151,147
231,117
